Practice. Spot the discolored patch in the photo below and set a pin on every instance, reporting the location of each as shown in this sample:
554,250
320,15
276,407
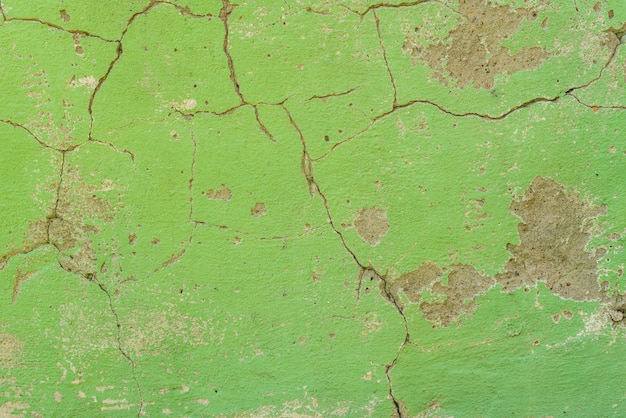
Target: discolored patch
555,230
415,282
78,255
166,327
78,212
464,285
223,193
64,15
472,53
371,224
259,210
10,349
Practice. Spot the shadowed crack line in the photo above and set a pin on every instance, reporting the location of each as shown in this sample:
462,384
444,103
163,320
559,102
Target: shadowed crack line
120,52
75,32
185,10
120,347
318,12
30,133
411,103
405,4
91,277
314,189
114,148
177,256
596,107
619,33
382,47
328,96
225,12
193,174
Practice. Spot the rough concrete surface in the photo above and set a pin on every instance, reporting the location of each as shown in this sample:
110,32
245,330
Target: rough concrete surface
312,208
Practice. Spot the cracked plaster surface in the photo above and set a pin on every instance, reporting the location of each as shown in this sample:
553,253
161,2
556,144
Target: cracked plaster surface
312,208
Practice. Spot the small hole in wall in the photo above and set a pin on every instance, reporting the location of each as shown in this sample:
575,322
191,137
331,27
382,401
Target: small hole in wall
326,138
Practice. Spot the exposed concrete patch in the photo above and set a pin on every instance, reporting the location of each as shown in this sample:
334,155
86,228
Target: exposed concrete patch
472,53
415,282
371,224
456,297
77,213
223,193
555,229
464,284
259,210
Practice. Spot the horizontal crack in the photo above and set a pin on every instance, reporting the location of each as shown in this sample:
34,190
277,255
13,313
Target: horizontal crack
327,96
596,107
373,7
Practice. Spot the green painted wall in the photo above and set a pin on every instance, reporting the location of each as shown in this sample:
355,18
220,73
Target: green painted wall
312,208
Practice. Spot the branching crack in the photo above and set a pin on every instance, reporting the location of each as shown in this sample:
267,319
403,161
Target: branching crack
48,239
411,103
4,17
619,33
74,32
373,7
120,347
314,189
225,12
382,47
595,108
30,133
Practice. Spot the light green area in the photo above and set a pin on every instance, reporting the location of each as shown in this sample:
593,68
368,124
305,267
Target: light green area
182,185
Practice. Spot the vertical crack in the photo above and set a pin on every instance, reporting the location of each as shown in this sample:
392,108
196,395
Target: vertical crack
314,189
193,174
118,54
50,240
4,17
384,50
225,12
120,347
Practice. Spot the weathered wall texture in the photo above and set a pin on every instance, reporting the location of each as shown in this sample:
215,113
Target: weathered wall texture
312,208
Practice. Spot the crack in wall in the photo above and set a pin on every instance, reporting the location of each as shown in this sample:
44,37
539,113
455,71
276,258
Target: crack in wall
307,168
78,270
384,51
225,12
55,222
405,4
596,107
120,347
369,270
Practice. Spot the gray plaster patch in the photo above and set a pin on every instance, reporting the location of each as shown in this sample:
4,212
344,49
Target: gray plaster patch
371,224
555,229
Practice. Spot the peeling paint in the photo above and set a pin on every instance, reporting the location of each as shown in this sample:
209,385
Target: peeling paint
213,208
